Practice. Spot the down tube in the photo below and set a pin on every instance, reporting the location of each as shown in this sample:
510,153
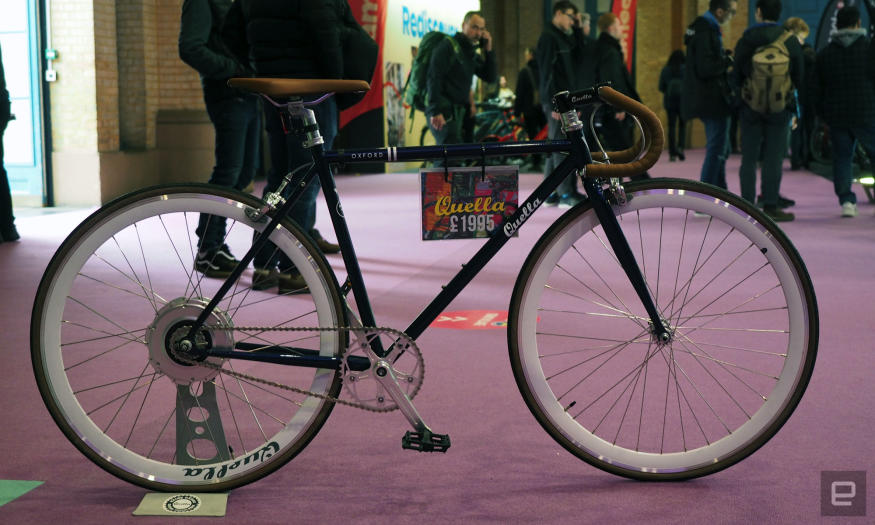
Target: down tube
493,245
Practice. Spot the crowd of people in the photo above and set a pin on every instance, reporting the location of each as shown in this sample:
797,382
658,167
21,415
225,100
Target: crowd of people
223,39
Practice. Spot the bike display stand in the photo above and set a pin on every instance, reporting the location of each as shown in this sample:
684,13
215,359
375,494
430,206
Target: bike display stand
196,418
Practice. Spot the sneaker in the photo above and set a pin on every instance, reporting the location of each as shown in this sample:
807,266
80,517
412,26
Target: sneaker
567,200
849,209
291,283
322,244
552,200
777,214
783,202
681,156
216,263
265,278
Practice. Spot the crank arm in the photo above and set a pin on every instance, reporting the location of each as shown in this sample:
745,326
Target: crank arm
386,377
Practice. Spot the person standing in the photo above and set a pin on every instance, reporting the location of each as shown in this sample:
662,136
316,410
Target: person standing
235,117
8,232
290,39
844,91
803,121
454,62
611,67
671,80
559,54
706,84
527,103
764,133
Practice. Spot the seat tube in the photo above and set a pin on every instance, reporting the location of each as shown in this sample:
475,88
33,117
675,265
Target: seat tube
347,251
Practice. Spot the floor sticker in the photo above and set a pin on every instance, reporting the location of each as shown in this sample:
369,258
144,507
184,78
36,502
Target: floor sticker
472,320
12,489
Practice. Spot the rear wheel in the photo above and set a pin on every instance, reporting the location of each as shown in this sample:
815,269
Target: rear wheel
122,289
740,309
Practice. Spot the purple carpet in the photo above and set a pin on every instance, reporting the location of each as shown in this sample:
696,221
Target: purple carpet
502,467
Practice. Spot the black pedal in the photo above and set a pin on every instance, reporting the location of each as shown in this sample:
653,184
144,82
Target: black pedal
425,441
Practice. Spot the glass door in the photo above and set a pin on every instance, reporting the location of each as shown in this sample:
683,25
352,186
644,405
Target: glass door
23,139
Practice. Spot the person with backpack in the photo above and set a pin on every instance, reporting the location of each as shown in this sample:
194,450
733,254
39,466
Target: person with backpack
844,95
452,66
768,69
671,82
706,86
560,53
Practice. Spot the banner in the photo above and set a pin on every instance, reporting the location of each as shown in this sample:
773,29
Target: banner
466,203
371,14
625,11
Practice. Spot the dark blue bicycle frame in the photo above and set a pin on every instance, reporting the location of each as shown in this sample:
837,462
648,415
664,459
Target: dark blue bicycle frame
578,157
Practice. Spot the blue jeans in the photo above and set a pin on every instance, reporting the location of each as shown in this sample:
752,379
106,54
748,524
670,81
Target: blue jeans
237,122
766,135
286,154
452,132
844,143
716,151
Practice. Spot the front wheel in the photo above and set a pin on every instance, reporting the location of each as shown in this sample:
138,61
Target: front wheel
741,313
123,288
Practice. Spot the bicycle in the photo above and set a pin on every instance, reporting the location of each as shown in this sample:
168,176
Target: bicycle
659,330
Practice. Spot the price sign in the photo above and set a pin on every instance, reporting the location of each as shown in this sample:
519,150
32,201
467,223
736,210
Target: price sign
467,203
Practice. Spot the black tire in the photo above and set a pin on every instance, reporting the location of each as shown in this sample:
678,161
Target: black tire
576,334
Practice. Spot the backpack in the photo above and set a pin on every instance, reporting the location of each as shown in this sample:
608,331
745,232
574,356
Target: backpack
416,87
768,88
359,53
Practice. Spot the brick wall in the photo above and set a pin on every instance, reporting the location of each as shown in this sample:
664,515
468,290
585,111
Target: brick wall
73,96
179,86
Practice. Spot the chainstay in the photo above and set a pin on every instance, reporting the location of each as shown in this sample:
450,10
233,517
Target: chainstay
398,334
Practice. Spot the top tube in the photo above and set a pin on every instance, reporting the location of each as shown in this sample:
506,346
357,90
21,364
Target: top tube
446,151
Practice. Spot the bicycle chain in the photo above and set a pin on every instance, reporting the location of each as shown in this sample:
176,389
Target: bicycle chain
366,329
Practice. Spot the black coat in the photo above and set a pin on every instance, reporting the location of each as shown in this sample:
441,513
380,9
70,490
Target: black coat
201,47
288,38
560,58
844,81
450,74
668,78
527,94
610,66
757,36
706,86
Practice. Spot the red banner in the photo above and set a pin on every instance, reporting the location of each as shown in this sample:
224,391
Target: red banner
371,14
625,11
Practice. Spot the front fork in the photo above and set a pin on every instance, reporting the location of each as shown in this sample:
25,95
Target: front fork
573,128
620,245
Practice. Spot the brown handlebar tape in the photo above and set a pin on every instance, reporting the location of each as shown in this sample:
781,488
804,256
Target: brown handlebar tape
653,136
